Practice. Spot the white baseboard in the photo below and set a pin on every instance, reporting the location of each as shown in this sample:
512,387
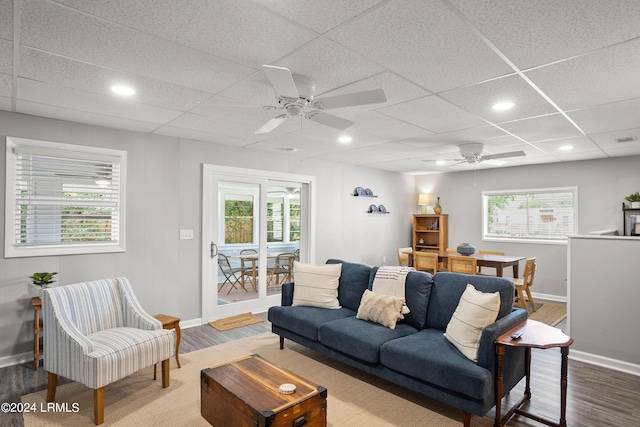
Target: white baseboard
605,362
549,297
16,359
185,324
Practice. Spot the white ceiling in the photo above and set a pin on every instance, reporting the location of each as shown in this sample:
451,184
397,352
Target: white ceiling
572,68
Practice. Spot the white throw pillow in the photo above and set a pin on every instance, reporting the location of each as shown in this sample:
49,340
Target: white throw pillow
476,310
383,309
316,285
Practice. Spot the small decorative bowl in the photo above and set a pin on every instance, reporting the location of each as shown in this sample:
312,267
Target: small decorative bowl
466,249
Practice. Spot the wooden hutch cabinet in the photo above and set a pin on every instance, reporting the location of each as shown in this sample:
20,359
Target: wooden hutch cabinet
430,232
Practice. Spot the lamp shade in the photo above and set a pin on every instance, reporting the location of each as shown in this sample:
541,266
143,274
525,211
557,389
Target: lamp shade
424,199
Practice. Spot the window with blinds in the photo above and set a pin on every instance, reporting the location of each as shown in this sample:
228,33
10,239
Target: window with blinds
543,215
63,199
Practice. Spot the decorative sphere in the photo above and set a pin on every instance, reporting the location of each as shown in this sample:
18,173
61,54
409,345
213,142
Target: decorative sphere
466,249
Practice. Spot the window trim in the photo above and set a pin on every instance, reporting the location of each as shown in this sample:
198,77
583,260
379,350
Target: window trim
528,240
73,151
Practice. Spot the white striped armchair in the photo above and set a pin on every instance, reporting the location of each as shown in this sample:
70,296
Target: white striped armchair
97,333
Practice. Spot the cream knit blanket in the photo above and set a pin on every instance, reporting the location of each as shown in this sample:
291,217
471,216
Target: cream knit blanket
390,280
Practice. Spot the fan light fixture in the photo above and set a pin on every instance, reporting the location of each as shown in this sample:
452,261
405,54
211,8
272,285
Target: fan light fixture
122,90
504,105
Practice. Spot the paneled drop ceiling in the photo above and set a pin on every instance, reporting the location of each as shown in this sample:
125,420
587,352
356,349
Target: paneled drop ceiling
571,67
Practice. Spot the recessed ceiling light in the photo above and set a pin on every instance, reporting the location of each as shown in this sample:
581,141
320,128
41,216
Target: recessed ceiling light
440,162
566,148
345,139
504,105
122,90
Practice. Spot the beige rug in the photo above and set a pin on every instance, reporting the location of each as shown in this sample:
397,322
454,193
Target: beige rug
235,321
354,398
549,313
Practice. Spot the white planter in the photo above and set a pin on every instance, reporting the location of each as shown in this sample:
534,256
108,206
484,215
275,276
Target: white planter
35,290
635,205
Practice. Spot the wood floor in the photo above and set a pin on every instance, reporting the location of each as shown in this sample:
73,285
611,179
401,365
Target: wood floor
597,397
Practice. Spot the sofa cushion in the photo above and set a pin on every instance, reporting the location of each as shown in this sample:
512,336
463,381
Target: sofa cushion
360,338
379,308
316,285
354,279
448,288
428,356
305,321
476,310
417,292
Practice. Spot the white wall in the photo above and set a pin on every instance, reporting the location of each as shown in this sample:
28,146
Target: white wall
164,196
602,186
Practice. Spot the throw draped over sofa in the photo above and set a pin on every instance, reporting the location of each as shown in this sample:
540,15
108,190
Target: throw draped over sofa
98,333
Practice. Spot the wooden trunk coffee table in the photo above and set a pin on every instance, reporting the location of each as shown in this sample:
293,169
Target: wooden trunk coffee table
244,393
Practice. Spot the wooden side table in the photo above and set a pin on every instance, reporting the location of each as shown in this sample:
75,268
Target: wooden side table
38,327
534,335
169,322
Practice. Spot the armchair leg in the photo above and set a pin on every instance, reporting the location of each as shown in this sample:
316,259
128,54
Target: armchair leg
165,373
98,406
281,343
52,383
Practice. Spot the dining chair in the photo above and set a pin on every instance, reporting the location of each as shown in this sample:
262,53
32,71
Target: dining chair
230,274
524,284
283,266
403,255
462,264
488,253
250,268
426,261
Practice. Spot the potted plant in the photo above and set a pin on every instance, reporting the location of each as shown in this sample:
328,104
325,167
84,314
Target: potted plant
41,281
634,199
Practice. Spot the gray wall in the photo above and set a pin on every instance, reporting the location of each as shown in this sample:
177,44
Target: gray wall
602,186
164,195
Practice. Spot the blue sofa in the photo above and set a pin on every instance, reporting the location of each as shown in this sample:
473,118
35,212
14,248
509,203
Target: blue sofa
415,354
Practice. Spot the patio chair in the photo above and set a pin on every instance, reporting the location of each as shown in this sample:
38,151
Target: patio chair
229,274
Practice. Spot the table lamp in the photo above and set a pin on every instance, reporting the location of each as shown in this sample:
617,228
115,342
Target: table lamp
423,201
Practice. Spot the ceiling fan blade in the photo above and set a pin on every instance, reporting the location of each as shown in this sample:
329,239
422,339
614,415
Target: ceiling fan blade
503,155
272,124
329,120
282,81
373,96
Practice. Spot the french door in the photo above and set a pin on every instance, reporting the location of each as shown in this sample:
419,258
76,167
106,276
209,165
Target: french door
254,223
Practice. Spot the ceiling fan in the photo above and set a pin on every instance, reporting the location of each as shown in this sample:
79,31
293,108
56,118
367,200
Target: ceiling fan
471,152
294,93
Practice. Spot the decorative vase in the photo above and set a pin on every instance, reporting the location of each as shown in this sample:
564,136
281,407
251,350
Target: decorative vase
466,249
421,242
437,209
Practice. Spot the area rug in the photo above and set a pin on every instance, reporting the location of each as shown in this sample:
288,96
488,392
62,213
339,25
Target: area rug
549,313
354,397
235,321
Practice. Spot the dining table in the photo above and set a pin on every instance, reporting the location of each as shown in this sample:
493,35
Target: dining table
248,262
499,262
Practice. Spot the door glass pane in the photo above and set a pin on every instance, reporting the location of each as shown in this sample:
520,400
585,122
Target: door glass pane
283,234
239,207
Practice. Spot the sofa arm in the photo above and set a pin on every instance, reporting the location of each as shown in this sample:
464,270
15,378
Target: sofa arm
287,294
487,349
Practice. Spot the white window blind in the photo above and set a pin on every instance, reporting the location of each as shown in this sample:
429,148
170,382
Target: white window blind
63,199
544,215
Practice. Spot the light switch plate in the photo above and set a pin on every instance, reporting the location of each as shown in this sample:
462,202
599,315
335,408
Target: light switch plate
186,234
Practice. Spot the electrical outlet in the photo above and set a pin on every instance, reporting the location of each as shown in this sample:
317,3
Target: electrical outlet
384,259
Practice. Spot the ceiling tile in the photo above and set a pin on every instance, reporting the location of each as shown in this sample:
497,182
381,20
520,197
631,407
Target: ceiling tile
608,140
319,16
199,136
6,85
581,144
478,134
536,32
40,66
61,113
424,41
58,96
609,117
6,57
6,19
433,113
478,99
604,76
66,32
238,31
552,126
